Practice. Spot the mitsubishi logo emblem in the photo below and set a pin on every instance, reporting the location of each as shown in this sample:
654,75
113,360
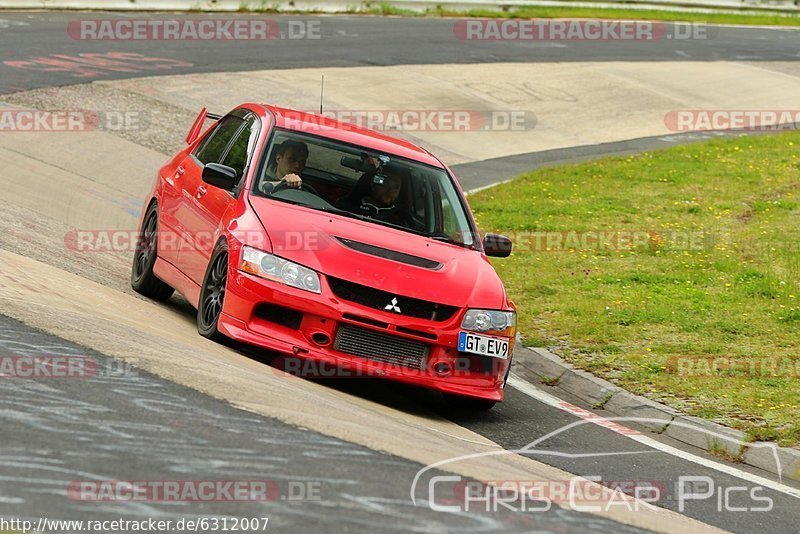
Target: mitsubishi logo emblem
392,306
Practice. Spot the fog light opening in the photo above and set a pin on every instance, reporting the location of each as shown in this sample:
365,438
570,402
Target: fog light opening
321,338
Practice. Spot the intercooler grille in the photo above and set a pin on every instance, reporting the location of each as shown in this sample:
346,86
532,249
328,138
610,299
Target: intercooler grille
380,347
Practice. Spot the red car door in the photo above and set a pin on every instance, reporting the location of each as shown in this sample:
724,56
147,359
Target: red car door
169,208
207,205
177,193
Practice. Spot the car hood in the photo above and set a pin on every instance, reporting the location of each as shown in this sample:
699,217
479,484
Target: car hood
313,238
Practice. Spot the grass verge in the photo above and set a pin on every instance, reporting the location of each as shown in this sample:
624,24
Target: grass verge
371,8
694,301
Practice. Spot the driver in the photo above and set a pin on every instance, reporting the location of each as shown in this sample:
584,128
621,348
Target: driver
289,161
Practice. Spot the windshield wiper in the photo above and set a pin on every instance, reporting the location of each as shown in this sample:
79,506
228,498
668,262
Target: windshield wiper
345,213
447,239
326,209
367,218
436,237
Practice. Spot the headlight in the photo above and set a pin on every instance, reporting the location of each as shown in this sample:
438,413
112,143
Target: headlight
502,323
277,269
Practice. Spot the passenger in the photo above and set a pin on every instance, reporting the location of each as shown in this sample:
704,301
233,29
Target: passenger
289,161
383,201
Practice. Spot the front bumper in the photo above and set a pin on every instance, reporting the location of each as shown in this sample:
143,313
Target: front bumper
300,323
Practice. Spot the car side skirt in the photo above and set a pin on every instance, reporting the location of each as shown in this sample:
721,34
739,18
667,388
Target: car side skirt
171,275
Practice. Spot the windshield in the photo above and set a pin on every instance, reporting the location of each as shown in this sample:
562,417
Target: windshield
361,183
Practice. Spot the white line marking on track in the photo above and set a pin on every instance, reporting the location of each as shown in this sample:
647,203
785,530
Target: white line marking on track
532,391
483,187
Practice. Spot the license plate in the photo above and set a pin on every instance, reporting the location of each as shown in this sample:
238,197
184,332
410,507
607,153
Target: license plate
483,345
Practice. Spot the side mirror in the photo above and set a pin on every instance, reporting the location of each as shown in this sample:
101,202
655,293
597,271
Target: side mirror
497,245
220,176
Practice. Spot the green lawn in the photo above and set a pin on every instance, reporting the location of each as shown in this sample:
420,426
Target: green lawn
378,8
765,19
714,273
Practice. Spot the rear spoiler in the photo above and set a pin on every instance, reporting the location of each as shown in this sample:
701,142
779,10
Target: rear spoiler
194,132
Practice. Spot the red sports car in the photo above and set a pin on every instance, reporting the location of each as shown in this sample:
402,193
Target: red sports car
337,244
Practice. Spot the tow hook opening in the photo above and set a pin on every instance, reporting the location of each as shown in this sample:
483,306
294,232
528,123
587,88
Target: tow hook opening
442,368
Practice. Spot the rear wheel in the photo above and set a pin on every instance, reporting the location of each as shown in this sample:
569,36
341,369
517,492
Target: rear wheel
212,294
143,281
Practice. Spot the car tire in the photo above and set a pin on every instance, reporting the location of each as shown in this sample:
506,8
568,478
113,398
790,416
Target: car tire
212,294
143,281
468,404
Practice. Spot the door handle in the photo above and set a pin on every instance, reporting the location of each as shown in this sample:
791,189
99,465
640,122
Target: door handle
201,191
179,172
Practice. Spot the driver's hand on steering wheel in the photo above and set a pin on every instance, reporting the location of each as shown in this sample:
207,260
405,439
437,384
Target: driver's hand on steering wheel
292,180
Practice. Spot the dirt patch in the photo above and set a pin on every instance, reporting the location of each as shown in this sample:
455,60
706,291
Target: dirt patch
143,120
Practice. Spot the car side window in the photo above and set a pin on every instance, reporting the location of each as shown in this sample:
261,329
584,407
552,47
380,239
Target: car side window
242,147
213,146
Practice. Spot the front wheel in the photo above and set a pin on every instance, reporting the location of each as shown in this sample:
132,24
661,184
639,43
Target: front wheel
143,281
212,294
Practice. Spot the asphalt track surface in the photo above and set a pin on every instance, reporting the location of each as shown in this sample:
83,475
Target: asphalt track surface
351,41
37,50
126,424
139,426
473,175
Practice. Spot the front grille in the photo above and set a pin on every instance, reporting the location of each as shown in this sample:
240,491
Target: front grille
379,300
380,347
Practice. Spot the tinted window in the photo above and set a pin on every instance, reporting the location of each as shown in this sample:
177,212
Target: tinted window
242,147
213,146
381,188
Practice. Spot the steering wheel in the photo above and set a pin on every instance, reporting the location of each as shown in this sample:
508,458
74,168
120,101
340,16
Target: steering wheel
303,187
